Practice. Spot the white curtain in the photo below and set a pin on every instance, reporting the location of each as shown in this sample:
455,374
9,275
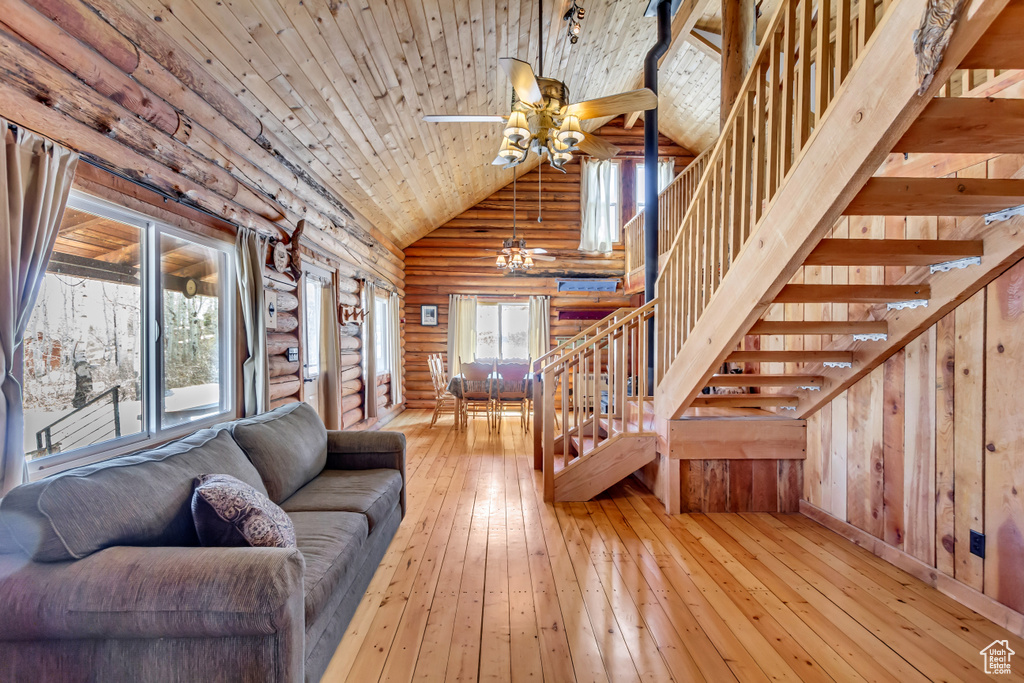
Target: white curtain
540,326
666,172
461,331
599,201
369,350
35,180
395,348
251,253
330,360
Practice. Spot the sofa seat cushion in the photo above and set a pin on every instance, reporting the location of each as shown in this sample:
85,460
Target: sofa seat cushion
373,493
144,499
331,544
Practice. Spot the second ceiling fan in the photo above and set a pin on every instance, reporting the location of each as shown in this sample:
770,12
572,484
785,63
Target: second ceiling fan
543,121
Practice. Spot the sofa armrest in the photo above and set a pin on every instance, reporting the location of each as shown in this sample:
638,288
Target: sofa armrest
367,451
133,592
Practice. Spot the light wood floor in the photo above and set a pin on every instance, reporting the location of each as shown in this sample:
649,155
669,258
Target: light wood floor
485,582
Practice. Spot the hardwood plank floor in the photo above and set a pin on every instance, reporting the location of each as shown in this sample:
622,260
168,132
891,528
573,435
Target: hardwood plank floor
485,582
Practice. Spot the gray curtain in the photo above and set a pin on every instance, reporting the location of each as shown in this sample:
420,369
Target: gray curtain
330,360
35,180
369,350
395,348
251,250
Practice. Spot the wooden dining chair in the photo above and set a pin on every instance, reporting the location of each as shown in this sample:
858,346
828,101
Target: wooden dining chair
475,385
513,390
446,402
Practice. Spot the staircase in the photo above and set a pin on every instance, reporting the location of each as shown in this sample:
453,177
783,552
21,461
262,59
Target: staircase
821,238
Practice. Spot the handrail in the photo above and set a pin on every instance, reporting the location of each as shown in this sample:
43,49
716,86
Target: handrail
673,201
606,377
580,335
779,104
44,436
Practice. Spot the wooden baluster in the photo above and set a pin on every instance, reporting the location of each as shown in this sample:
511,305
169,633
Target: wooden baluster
822,90
788,72
803,110
760,147
725,229
865,23
565,415
548,406
775,122
736,185
843,26
595,355
747,170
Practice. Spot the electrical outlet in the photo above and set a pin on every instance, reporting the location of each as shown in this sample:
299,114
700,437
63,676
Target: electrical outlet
977,544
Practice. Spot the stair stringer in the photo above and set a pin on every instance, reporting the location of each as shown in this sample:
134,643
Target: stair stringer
609,463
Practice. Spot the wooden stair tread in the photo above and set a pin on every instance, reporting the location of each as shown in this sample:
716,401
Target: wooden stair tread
746,400
832,327
760,380
867,252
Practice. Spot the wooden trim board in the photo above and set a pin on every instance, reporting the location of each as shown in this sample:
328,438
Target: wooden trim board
738,440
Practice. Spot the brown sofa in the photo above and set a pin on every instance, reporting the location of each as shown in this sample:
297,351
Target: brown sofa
102,577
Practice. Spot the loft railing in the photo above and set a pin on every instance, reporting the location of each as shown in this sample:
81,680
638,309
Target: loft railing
99,419
673,202
604,393
579,339
786,93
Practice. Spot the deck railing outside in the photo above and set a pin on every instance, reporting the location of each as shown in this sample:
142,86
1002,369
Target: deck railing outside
787,92
98,419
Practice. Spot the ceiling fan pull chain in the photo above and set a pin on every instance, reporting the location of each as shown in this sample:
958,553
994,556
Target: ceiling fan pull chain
540,218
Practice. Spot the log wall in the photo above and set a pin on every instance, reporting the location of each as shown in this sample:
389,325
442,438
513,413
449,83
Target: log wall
930,446
102,78
458,257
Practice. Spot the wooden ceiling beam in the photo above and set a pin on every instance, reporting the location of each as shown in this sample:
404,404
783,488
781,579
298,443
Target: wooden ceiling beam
858,252
758,380
967,125
832,327
851,294
936,197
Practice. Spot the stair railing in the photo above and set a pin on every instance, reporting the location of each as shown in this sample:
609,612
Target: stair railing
580,338
91,423
604,392
786,93
673,202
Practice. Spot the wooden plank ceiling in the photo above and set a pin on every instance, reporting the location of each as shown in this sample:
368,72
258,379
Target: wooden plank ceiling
345,84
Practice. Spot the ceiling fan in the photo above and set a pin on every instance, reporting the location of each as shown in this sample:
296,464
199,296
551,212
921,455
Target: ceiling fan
543,121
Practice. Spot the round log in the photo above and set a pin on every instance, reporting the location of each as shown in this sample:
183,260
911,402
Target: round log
350,344
383,389
348,359
350,402
284,386
280,366
352,386
352,417
286,322
278,344
354,372
346,299
287,301
349,330
277,403
347,284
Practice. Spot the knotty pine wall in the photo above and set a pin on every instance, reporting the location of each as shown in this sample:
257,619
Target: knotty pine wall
458,257
930,445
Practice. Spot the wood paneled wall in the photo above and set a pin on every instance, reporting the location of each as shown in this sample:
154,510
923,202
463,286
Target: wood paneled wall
740,485
930,445
458,257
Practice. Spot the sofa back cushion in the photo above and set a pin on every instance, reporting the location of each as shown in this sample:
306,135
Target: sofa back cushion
142,499
288,445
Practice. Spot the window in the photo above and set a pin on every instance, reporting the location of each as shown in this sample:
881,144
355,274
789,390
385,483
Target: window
129,334
503,331
313,318
382,332
666,169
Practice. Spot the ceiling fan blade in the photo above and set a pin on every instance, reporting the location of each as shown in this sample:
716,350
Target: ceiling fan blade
613,105
539,257
538,250
599,148
499,161
464,118
523,81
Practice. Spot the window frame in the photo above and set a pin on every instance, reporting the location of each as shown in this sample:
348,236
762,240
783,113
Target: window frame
382,331
153,433
499,304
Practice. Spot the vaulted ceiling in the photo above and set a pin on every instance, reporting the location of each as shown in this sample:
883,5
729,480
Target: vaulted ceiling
346,84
